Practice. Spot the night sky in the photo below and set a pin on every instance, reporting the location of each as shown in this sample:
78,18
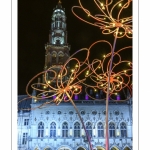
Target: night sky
34,20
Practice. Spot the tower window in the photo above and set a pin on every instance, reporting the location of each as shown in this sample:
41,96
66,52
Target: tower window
60,58
41,129
53,129
53,57
24,140
65,129
76,129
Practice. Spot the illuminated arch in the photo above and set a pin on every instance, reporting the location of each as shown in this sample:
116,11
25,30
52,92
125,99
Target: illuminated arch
127,148
81,148
114,148
65,147
47,148
100,148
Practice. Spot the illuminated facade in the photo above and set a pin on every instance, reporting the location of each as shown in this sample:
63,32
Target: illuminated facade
58,127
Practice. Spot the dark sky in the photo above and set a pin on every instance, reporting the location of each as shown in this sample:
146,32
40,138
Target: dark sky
34,19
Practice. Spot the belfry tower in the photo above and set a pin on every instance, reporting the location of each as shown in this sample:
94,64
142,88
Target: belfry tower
57,49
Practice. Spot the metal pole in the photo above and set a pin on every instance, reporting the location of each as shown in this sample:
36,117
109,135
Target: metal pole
107,95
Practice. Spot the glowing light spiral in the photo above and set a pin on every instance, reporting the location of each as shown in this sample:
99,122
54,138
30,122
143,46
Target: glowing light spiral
107,20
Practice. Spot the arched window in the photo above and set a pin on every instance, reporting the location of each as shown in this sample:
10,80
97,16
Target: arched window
114,148
80,148
111,129
41,129
100,148
65,129
126,148
123,129
100,129
76,129
60,58
53,129
48,148
54,58
89,128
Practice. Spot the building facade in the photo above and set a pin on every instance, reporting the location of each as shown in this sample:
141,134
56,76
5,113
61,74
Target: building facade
58,127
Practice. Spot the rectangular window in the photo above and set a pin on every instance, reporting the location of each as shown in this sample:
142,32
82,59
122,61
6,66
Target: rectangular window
26,122
24,140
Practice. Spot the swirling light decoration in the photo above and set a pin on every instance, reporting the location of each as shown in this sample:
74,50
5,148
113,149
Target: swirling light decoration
119,79
110,24
65,88
106,20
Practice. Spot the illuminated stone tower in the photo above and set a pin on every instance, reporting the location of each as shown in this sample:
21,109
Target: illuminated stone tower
57,50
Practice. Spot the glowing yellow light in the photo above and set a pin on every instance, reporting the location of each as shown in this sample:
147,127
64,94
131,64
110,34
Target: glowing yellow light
120,33
95,90
118,85
72,70
129,63
120,82
113,24
102,4
109,88
49,81
100,77
76,66
59,76
120,4
88,15
125,71
35,100
103,8
101,84
44,87
76,89
115,93
104,18
117,77
104,56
